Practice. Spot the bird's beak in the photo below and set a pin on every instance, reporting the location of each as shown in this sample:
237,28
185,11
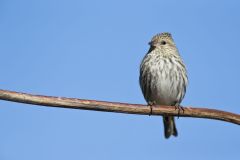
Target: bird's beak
150,43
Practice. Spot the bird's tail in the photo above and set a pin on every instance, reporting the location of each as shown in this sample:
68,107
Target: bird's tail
169,126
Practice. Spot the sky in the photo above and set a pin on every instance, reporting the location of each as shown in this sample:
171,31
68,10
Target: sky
92,50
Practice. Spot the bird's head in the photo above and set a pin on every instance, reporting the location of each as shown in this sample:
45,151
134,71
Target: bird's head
163,41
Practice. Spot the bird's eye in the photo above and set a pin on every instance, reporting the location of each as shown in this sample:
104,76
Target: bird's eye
163,42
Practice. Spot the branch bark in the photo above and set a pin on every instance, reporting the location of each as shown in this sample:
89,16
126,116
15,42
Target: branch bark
75,103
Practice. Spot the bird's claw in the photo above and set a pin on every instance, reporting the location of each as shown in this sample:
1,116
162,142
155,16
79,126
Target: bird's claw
150,113
179,108
151,108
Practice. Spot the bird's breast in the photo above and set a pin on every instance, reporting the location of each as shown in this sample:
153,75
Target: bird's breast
162,79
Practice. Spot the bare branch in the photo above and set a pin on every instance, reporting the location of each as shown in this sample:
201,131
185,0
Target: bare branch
75,103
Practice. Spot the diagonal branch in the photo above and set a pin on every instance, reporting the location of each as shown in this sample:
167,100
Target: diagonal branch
75,103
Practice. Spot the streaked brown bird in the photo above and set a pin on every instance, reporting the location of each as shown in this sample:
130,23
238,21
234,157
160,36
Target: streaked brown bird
163,77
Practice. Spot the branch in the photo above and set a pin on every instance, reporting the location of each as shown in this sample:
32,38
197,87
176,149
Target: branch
75,103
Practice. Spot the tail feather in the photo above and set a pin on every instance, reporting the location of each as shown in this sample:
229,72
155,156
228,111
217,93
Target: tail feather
169,126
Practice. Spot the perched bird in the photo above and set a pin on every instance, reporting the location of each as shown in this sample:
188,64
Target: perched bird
163,77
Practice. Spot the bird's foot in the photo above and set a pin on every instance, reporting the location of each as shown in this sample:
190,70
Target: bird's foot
179,108
150,105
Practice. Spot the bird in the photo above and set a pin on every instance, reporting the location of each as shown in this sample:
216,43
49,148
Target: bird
163,77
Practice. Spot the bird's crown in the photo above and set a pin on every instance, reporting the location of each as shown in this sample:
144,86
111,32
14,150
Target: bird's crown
160,36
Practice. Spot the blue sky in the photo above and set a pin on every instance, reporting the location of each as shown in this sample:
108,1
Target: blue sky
92,50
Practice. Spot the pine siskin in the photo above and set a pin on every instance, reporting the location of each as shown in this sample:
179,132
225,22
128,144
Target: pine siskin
163,77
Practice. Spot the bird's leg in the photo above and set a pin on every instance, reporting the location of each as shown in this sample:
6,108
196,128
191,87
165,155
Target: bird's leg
179,108
150,105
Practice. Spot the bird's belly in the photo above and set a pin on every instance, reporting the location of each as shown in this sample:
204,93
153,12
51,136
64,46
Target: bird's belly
163,94
163,82
164,90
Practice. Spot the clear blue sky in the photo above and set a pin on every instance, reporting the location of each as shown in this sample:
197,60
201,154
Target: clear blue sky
92,50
